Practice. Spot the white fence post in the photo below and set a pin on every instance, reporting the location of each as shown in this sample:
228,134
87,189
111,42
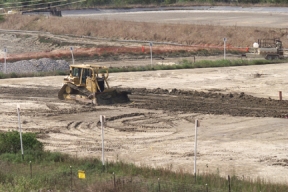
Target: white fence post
102,120
197,124
71,49
20,131
224,39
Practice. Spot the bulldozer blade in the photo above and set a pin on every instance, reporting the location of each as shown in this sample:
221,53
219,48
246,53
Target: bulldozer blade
61,92
112,96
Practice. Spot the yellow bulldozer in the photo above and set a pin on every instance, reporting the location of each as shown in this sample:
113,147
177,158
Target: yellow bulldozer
88,83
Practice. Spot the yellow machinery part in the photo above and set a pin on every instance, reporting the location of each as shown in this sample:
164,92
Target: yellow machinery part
68,89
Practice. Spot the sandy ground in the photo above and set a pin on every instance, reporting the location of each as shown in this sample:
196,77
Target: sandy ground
200,17
246,146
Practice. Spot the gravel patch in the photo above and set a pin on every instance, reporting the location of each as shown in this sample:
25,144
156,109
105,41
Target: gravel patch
34,66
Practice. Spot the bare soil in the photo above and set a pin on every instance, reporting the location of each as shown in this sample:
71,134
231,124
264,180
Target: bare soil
239,133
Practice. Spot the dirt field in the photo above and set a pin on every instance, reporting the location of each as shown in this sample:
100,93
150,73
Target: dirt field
253,18
240,133
243,125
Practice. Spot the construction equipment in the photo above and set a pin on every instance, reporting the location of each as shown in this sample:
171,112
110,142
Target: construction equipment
266,48
88,83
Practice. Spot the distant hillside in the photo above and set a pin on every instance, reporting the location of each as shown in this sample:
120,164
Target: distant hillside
174,33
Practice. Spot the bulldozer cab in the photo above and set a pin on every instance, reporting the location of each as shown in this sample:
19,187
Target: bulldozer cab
89,76
81,74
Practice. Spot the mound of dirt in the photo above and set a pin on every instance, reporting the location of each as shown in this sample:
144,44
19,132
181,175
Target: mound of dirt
235,104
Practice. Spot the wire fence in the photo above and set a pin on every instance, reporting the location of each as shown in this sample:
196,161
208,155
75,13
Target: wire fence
62,178
101,179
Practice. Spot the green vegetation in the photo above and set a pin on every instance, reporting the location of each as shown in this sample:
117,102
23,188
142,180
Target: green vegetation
2,18
186,64
9,142
44,170
39,74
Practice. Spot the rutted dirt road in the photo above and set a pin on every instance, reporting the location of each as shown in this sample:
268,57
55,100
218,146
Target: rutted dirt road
240,133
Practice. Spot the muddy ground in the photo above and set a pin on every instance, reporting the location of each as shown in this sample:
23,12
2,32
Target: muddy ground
242,128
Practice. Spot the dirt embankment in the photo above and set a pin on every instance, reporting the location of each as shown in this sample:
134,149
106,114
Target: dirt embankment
236,104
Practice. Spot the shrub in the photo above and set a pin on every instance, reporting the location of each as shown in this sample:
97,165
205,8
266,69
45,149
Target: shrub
55,157
13,75
2,19
10,142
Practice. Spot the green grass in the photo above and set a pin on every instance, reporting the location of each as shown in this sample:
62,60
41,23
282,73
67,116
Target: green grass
2,19
183,64
52,171
186,64
38,74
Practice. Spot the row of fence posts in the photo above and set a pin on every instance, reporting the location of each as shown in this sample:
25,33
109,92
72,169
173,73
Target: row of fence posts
159,186
102,120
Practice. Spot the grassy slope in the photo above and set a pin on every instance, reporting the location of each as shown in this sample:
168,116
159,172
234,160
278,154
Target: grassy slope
60,173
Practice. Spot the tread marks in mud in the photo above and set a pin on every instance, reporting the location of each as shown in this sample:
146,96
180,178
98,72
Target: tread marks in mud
145,122
69,125
148,142
74,125
79,125
90,125
190,118
124,116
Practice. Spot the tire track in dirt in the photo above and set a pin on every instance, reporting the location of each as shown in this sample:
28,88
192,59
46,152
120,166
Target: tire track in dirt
111,145
155,130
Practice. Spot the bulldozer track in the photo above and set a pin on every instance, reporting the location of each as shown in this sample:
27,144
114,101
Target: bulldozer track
82,90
